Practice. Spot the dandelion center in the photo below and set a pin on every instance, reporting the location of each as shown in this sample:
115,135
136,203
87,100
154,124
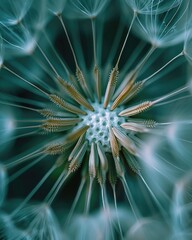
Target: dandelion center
99,122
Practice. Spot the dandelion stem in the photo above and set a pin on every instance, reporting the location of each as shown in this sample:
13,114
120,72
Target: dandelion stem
21,128
94,42
143,61
154,198
106,207
48,61
89,196
126,38
169,95
34,190
25,158
129,197
96,69
56,54
56,187
24,169
18,106
33,85
169,62
75,200
19,136
68,39
103,196
116,210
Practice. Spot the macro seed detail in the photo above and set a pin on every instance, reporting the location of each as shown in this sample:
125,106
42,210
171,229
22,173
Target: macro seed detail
99,123
95,114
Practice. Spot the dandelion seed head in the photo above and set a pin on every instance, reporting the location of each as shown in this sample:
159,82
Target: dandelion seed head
12,13
93,112
87,8
56,7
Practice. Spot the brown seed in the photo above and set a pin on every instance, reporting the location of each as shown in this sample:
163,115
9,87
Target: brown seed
131,111
78,158
113,143
75,94
58,124
111,86
125,92
83,83
125,141
77,147
65,105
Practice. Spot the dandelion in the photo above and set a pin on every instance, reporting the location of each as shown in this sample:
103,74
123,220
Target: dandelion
96,107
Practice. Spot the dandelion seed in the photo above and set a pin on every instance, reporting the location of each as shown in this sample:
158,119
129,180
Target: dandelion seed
13,13
150,6
165,28
56,7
